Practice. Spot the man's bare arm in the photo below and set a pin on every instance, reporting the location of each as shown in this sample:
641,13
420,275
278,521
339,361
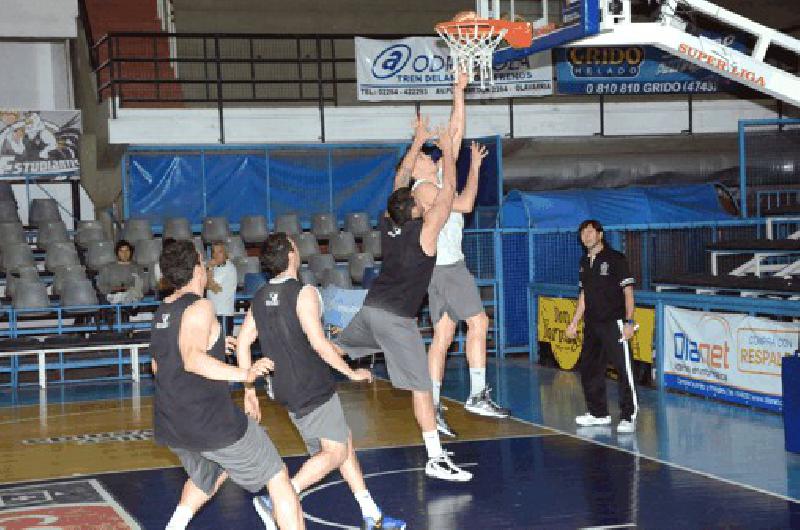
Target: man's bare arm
458,114
465,201
244,341
309,312
435,218
421,135
196,325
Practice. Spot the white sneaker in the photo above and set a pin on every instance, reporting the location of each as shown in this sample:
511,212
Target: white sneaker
625,426
443,468
587,420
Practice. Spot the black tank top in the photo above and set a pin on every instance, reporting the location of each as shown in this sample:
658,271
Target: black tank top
406,272
302,380
189,411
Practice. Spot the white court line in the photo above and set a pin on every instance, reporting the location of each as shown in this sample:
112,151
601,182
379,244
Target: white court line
626,525
320,487
664,462
113,502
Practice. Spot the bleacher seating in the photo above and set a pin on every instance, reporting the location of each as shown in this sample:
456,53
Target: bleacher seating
288,223
323,226
177,228
42,210
253,229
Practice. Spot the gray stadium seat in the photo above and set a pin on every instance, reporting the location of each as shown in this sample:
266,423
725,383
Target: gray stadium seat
372,243
51,232
147,252
11,232
323,225
90,233
357,223
307,245
17,255
343,245
320,262
84,224
253,229
336,277
59,254
288,223
357,264
245,265
235,247
30,294
8,212
67,273
99,253
78,292
43,210
215,229
137,229
177,228
307,276
28,272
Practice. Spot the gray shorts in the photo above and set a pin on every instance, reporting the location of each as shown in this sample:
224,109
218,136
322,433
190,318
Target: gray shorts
326,421
251,461
453,291
373,330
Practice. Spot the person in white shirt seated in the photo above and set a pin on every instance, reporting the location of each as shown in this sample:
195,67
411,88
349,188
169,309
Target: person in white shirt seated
221,287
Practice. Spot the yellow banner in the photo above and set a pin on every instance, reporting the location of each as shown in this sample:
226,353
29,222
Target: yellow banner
555,314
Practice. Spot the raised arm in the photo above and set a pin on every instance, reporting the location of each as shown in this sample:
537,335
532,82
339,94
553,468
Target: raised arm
465,201
458,114
196,325
436,216
406,168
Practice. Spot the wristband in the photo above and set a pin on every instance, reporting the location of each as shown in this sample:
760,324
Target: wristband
630,322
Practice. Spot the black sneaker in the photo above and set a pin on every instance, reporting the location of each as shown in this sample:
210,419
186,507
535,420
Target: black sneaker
441,424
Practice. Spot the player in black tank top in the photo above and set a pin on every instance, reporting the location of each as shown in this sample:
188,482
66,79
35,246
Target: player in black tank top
387,321
287,319
193,411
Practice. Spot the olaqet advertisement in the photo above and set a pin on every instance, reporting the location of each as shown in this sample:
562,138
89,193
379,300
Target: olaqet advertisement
728,356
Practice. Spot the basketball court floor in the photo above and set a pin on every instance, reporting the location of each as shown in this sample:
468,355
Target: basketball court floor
85,459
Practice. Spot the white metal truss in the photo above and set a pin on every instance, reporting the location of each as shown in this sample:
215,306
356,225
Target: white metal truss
670,35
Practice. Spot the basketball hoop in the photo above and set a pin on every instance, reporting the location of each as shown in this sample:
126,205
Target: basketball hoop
473,41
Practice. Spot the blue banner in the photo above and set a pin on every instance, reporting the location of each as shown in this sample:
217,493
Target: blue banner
631,70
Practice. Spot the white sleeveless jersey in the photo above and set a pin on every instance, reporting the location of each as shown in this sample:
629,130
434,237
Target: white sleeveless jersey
448,245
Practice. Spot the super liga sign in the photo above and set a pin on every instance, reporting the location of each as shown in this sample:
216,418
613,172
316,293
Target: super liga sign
420,68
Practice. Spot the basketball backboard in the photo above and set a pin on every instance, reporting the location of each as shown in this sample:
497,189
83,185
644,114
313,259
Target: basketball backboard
559,22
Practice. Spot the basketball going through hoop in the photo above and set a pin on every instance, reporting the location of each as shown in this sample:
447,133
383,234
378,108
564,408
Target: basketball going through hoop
473,41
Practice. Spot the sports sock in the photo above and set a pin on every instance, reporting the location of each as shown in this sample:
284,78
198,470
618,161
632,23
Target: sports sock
432,444
180,518
477,380
368,506
437,389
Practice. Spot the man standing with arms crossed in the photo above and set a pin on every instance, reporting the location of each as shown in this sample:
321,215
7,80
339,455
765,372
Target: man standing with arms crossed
387,322
193,413
453,294
286,316
606,305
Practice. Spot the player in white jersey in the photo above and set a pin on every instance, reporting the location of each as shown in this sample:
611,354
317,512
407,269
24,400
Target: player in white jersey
453,294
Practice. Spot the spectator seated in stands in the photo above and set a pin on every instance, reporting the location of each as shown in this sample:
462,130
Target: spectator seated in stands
222,281
121,282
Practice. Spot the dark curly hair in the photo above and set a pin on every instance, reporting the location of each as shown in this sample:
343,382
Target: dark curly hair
178,260
275,253
400,206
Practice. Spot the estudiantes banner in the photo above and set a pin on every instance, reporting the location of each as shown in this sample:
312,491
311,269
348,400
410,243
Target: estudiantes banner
420,69
36,142
733,357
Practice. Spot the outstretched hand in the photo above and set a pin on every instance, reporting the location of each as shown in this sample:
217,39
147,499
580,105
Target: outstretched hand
261,367
422,130
478,153
444,139
461,81
362,374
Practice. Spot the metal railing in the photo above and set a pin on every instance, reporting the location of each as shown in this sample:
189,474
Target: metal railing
223,70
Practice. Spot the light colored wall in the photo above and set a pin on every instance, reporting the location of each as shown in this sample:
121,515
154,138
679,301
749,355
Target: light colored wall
35,75
39,19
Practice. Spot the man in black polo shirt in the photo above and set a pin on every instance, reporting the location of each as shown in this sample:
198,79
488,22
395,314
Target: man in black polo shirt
606,304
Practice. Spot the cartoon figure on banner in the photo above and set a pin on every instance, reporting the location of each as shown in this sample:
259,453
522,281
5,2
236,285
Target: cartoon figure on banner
27,137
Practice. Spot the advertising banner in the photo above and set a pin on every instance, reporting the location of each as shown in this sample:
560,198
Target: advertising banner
728,356
638,70
39,142
555,315
420,69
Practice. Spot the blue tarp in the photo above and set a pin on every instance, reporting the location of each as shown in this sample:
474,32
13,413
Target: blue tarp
645,205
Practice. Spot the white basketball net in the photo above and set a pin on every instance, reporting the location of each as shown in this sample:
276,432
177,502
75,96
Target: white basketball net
472,50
